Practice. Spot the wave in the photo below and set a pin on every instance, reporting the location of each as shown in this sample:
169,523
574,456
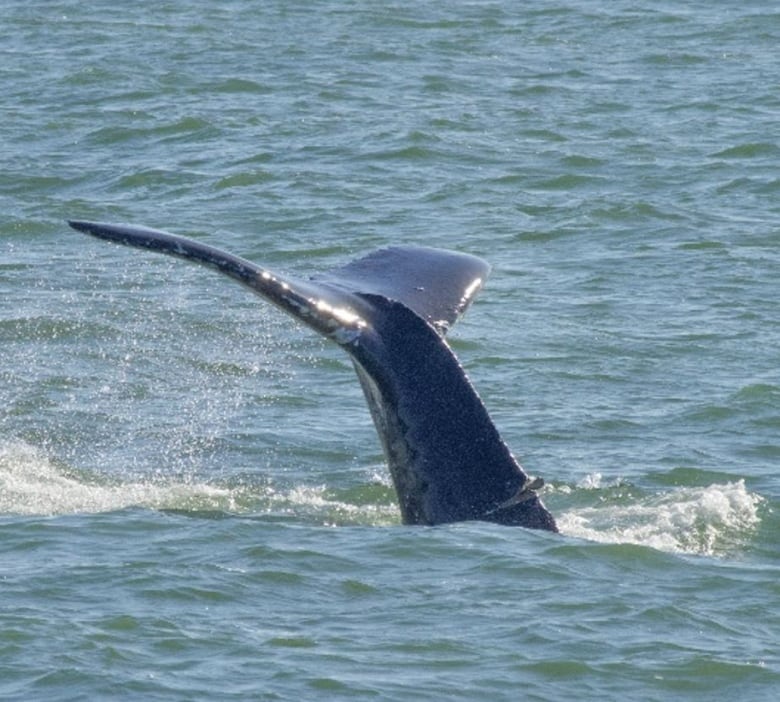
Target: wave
33,484
714,520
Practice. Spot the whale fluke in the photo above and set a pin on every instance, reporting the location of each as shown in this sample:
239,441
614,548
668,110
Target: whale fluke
390,311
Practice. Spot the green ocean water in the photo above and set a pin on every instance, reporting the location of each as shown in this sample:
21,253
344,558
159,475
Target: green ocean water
193,501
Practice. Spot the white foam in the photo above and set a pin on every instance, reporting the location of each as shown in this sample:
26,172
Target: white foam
32,484
700,520
317,500
592,481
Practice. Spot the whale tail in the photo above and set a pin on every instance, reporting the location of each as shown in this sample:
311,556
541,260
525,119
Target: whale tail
391,310
436,285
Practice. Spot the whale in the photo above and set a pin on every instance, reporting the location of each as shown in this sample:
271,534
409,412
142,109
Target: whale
391,311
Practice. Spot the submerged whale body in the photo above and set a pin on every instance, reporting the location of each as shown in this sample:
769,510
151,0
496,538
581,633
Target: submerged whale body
390,312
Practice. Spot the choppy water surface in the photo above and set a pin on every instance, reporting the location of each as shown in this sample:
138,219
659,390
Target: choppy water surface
193,503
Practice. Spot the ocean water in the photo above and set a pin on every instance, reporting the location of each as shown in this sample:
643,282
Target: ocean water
193,501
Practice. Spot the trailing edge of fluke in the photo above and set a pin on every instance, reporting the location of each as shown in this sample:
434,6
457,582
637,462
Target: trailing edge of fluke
390,311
